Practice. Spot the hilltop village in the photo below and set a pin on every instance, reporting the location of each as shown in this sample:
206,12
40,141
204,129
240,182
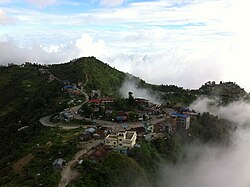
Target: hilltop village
116,124
67,124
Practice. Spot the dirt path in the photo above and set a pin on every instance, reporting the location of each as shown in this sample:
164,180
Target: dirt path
68,174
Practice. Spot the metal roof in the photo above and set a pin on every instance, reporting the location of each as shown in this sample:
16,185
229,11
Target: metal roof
180,115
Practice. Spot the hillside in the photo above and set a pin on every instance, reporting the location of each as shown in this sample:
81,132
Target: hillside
225,91
31,91
97,74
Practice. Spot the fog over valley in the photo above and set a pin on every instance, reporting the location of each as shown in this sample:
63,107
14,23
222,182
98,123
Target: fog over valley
209,165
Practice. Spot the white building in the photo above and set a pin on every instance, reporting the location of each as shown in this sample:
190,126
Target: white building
126,139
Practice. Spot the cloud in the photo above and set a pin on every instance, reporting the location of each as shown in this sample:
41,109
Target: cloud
167,68
180,40
209,165
5,19
89,47
43,3
132,85
111,3
11,52
236,112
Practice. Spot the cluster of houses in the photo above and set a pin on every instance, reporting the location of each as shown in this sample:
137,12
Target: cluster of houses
72,88
105,104
178,120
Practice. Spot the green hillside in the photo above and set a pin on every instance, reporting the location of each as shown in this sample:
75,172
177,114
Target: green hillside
31,91
225,91
97,74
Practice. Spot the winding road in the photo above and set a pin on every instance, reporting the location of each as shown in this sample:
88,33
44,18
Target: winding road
68,174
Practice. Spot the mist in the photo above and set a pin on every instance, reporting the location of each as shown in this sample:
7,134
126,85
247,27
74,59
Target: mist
215,166
132,85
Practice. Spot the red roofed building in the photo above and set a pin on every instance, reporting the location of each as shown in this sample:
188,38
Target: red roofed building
101,101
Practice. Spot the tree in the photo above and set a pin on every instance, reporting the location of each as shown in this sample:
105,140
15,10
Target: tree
131,99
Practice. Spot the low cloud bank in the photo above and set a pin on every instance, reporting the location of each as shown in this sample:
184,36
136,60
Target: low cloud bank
215,166
236,112
13,52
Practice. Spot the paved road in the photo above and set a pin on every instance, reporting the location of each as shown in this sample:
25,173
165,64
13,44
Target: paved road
116,127
45,121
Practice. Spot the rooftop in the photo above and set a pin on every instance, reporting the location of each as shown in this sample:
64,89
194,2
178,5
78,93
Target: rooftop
179,115
112,136
58,161
129,135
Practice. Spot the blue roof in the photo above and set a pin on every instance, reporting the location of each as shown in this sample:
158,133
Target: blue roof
180,115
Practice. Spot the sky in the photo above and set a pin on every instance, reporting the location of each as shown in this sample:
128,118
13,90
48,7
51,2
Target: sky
181,42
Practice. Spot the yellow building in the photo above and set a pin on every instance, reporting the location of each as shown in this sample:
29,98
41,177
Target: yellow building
126,139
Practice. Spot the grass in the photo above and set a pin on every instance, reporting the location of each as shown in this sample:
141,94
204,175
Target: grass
50,144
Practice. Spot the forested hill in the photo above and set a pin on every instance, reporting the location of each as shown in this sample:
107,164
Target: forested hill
31,91
97,74
226,91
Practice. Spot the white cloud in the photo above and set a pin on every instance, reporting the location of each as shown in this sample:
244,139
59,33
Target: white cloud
216,166
111,3
5,19
131,85
11,52
89,47
209,166
236,112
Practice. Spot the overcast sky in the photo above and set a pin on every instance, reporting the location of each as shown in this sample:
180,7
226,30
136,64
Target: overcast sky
183,42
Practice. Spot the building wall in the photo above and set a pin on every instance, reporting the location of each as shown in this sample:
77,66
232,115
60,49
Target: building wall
120,140
111,142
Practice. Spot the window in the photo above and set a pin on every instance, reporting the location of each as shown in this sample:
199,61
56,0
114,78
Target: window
120,139
114,143
120,144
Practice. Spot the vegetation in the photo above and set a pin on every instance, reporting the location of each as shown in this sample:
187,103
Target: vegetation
209,128
116,170
49,144
27,94
174,95
226,91
96,73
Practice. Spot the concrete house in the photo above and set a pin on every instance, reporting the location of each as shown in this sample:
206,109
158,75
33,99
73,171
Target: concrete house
181,120
126,139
